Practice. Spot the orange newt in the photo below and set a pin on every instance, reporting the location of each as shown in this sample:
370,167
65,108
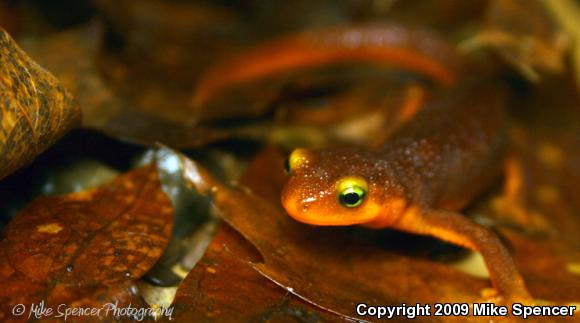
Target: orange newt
417,181
441,158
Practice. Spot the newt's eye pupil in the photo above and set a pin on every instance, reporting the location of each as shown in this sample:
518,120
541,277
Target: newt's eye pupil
352,196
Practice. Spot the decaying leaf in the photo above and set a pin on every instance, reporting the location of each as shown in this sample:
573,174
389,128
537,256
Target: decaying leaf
103,108
224,287
172,52
86,248
7,16
363,114
567,13
525,35
35,109
538,211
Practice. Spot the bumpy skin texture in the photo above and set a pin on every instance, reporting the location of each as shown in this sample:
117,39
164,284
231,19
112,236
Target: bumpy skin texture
451,151
442,159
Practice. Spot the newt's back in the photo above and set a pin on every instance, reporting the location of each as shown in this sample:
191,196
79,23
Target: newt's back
452,150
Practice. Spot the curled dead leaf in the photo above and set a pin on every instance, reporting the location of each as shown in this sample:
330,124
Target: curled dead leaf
35,109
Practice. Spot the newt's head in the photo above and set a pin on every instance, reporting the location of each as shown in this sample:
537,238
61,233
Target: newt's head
339,187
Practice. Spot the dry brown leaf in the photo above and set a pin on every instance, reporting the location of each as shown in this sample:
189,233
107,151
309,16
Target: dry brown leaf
35,109
73,57
538,210
525,35
87,248
567,13
224,287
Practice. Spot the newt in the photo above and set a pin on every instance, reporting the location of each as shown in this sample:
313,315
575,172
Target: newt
383,45
417,181
422,176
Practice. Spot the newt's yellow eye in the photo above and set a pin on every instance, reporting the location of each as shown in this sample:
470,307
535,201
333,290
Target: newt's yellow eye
352,191
297,158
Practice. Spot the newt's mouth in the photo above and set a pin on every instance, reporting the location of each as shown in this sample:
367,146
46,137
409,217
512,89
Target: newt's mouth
313,214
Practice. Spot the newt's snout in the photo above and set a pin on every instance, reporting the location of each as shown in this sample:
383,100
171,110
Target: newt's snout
315,195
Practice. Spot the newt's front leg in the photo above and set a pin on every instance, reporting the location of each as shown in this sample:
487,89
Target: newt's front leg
460,230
